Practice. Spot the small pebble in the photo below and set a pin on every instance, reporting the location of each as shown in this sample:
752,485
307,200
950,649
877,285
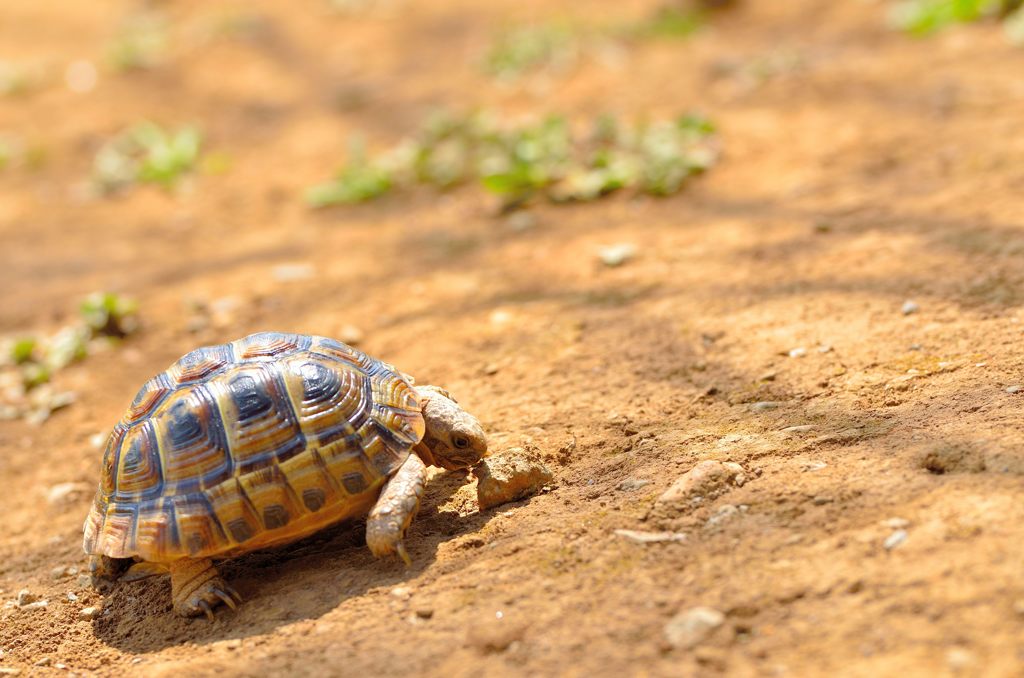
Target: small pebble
521,221
803,428
1016,388
350,334
631,484
691,627
915,347
896,523
60,572
798,352
62,492
895,539
764,405
490,369
25,597
959,659
824,348
88,613
72,596
31,607
616,255
401,592
45,661
813,466
84,580
293,272
8,671
640,537
424,612
822,499
909,307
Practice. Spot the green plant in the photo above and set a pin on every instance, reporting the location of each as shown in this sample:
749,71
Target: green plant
108,314
524,49
518,162
147,153
140,44
923,17
669,21
357,181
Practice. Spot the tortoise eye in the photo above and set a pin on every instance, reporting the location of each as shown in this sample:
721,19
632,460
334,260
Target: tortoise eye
461,442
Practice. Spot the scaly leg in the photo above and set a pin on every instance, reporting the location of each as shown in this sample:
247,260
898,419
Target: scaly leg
105,570
196,588
395,508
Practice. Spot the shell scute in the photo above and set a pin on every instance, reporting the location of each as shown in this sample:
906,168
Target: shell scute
266,345
200,363
149,397
139,473
192,441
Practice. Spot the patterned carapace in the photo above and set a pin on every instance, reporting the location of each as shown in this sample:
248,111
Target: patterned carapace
250,444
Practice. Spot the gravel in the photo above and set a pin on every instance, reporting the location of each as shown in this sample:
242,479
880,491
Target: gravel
894,539
692,627
641,537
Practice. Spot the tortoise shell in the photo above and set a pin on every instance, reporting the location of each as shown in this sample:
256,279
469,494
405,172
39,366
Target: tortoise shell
250,444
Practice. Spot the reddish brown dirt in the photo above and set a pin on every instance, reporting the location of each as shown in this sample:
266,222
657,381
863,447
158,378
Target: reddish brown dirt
880,169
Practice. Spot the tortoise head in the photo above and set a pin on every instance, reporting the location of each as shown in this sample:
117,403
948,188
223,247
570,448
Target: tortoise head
453,439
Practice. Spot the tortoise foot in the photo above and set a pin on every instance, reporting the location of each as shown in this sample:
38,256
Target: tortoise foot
104,571
197,589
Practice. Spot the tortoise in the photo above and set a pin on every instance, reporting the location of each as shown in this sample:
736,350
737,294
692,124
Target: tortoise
261,442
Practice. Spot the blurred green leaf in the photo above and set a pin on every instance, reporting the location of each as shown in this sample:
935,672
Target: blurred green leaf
22,349
109,314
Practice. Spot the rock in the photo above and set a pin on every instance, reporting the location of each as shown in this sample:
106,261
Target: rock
350,334
802,428
959,659
896,523
62,571
494,633
1016,388
691,627
31,607
88,613
510,475
909,307
293,272
616,255
813,466
798,352
424,612
25,597
84,580
894,540
403,592
631,484
72,596
724,514
63,492
706,480
764,405
45,661
8,671
650,537
490,369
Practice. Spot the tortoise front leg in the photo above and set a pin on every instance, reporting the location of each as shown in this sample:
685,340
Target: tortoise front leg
395,508
196,588
104,571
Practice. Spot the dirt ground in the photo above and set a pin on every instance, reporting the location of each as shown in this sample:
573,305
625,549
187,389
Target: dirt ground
871,170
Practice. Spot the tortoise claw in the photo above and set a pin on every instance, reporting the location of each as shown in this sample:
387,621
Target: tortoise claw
205,606
226,597
400,548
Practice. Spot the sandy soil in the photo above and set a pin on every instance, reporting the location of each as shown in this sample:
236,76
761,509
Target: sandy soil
872,170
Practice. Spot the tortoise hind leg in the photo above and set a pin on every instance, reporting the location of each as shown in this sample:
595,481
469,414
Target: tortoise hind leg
197,588
105,570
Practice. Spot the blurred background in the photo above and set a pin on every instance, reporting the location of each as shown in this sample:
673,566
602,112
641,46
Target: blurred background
630,236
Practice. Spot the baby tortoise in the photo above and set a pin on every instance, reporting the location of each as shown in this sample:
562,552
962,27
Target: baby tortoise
261,442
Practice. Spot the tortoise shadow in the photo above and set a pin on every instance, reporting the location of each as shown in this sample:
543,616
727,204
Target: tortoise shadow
303,580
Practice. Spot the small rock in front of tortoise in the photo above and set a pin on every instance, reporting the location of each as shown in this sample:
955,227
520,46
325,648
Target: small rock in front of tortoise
510,475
